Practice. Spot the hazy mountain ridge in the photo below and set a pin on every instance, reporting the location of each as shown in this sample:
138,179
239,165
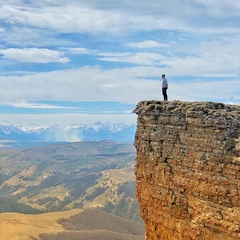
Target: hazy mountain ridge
76,132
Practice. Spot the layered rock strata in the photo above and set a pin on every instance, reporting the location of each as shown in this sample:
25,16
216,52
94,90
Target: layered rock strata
188,170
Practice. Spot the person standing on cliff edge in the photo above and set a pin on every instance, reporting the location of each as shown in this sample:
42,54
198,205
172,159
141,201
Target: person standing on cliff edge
164,87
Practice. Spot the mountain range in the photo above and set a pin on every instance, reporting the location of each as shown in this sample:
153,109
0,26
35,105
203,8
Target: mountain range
32,135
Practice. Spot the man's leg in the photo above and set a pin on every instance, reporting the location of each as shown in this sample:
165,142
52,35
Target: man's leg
164,92
166,98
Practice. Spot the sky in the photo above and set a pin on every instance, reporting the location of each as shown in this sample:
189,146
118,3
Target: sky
81,61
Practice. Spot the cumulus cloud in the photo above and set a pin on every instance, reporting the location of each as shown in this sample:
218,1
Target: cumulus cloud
128,85
64,18
35,55
139,58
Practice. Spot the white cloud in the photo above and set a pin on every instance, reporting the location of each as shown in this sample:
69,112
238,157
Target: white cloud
128,85
65,18
200,90
141,58
79,50
24,36
94,16
35,55
208,58
220,8
217,57
83,84
147,44
36,105
133,41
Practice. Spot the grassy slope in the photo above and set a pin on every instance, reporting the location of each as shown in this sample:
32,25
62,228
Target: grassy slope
73,224
17,226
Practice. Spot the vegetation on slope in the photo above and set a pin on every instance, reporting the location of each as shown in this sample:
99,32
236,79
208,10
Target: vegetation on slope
67,176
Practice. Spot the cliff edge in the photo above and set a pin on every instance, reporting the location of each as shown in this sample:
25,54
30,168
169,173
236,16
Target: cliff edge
188,170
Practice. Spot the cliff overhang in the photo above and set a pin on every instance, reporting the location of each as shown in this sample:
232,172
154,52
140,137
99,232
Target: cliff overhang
188,169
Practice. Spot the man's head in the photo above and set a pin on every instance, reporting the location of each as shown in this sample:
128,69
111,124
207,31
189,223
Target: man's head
163,75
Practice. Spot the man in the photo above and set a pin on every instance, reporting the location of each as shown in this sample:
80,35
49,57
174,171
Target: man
164,87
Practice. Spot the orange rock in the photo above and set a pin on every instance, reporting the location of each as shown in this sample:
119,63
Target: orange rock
188,170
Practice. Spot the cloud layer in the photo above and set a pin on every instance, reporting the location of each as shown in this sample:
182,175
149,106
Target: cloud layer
116,51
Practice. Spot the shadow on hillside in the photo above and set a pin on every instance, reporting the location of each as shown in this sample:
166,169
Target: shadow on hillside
97,225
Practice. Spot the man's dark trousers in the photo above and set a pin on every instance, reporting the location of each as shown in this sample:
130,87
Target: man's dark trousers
164,92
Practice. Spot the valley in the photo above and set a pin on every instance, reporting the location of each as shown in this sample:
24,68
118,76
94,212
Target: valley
69,177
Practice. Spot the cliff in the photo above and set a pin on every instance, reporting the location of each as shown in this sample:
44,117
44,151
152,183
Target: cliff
188,170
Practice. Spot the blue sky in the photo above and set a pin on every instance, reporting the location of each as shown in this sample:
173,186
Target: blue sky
75,61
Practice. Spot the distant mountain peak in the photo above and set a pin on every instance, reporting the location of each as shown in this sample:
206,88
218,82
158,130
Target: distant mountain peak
33,128
120,132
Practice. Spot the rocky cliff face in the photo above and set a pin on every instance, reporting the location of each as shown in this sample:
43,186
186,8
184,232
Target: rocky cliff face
188,170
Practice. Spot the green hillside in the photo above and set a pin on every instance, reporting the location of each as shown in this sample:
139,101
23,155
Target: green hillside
10,205
59,177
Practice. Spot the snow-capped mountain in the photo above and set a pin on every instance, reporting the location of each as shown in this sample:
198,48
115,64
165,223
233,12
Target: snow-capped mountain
33,128
72,133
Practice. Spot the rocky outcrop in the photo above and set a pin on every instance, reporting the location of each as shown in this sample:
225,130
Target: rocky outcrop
188,170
